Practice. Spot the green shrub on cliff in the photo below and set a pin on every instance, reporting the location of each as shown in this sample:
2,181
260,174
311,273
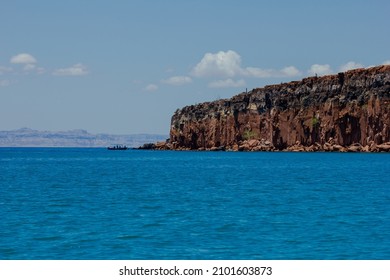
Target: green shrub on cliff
249,134
315,121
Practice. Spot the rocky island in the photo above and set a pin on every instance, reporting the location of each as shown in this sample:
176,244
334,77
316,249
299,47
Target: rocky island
349,111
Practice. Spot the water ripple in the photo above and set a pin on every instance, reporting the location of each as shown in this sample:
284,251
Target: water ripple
93,204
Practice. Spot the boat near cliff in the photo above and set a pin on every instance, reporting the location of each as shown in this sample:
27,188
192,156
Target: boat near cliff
117,148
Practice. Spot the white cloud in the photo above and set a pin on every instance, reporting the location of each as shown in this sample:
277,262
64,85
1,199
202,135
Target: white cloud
350,65
290,71
75,70
177,80
221,64
228,65
228,83
387,62
27,60
320,69
258,72
151,87
23,58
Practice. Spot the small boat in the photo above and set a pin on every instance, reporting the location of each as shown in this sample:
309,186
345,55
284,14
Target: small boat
118,147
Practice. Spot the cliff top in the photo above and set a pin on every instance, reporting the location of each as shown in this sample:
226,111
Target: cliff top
306,92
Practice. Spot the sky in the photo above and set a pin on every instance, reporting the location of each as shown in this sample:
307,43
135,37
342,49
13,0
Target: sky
124,67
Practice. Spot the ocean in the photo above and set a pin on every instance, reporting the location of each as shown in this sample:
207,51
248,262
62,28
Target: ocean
77,203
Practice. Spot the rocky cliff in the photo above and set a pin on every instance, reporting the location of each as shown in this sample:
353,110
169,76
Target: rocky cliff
347,111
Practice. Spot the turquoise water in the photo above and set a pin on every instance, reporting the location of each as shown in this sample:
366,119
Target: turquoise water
99,204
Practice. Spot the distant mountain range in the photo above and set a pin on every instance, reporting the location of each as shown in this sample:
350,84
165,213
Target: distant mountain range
26,137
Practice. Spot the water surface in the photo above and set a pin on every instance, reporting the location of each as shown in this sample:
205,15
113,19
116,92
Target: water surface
99,204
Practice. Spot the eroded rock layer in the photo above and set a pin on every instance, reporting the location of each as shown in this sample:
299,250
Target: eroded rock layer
347,111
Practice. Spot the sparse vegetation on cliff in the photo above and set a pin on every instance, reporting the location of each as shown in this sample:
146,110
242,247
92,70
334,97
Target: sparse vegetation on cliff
315,121
249,135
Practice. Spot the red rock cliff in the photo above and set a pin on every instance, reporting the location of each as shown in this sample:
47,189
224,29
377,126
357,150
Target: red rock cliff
347,111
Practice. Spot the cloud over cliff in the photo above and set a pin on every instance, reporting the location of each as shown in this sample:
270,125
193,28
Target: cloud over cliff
228,83
320,69
228,65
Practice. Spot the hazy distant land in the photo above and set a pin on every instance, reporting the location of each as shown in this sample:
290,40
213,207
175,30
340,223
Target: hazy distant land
26,137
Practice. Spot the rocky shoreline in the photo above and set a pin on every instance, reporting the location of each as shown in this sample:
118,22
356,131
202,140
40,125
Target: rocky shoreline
265,146
346,112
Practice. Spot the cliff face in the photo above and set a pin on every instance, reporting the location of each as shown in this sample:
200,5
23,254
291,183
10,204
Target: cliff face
350,110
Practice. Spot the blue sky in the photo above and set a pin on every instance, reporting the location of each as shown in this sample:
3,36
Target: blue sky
125,66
